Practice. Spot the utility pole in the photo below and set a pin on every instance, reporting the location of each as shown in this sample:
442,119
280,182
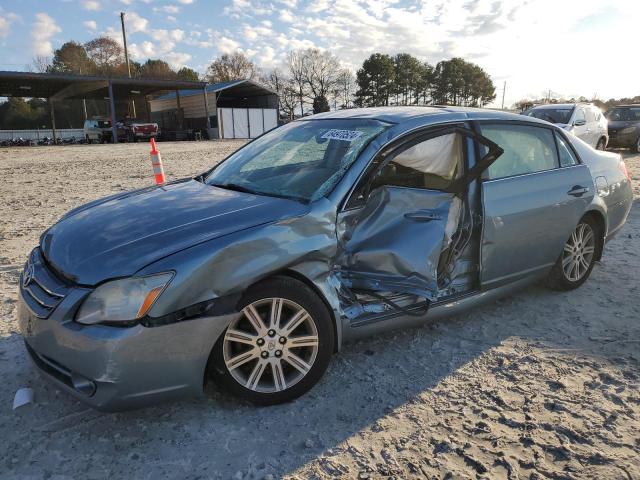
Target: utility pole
504,89
126,59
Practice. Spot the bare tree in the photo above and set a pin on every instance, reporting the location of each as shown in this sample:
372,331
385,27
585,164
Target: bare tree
321,71
284,87
296,62
345,87
228,67
40,64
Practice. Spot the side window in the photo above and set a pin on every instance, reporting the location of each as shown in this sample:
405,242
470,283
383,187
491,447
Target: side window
567,158
598,113
580,118
527,149
591,115
432,164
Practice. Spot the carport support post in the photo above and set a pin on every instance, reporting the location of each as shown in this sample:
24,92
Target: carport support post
53,122
112,106
178,107
206,111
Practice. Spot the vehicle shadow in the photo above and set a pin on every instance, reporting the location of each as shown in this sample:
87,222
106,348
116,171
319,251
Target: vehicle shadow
453,371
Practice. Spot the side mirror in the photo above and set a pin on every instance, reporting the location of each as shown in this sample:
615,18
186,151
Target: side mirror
579,123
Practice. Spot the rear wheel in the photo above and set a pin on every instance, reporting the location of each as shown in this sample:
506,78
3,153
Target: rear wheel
278,347
601,144
578,257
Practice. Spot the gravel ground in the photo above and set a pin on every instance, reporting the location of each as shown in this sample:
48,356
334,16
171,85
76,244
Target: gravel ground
537,385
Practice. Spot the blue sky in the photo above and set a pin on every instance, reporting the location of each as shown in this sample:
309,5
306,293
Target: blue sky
571,47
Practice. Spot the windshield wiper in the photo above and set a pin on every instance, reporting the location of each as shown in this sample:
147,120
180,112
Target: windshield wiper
240,188
235,187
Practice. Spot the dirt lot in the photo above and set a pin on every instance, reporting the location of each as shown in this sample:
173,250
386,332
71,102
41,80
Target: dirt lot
537,385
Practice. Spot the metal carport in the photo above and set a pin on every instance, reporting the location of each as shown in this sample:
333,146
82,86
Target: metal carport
55,87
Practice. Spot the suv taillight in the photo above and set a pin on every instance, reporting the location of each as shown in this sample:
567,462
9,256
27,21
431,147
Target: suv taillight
624,169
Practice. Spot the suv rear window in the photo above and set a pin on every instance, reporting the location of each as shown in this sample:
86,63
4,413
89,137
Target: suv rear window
624,113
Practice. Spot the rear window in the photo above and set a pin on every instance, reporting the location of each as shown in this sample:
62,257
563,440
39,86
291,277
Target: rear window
624,114
104,124
553,115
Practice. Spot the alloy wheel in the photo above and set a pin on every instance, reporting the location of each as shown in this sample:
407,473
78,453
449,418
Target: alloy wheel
271,346
578,252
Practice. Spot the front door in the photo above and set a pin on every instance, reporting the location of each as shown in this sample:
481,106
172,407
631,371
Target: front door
405,211
532,201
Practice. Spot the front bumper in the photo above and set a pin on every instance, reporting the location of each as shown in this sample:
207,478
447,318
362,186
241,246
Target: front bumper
112,368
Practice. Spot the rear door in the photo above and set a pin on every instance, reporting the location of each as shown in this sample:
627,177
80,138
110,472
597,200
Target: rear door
580,128
404,212
533,197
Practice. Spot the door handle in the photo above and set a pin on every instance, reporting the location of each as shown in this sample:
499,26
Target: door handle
422,216
578,191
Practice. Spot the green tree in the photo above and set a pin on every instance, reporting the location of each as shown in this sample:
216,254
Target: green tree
320,104
458,82
157,69
375,81
72,57
408,77
188,74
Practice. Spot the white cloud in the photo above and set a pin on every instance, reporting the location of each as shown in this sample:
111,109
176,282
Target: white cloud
286,16
44,28
135,23
90,25
172,9
177,59
171,18
91,5
227,45
6,20
185,2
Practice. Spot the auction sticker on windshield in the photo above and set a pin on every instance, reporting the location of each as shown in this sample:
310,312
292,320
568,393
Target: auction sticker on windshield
346,135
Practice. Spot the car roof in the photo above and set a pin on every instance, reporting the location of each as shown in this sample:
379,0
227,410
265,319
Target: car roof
556,105
430,114
628,105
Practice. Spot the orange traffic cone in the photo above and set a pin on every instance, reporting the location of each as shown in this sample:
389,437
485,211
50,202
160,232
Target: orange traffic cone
156,161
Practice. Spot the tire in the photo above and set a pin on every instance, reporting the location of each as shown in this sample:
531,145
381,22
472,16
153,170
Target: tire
636,147
263,368
129,138
602,144
569,271
89,141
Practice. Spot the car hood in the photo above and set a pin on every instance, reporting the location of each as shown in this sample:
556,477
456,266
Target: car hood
119,235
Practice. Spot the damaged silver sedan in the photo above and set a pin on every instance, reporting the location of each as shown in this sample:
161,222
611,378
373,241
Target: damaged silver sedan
329,228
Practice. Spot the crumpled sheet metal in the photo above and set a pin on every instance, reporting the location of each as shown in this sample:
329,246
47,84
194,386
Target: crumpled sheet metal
383,250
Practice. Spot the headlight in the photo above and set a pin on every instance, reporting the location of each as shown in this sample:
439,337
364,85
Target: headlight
122,300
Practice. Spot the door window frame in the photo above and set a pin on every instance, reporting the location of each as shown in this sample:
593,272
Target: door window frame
477,124
415,137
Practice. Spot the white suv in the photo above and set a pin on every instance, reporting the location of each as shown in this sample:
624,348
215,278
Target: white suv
97,130
584,120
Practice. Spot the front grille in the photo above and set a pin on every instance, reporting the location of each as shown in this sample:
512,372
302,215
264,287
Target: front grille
41,289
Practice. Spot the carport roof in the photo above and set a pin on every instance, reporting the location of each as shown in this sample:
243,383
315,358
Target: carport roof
241,88
60,86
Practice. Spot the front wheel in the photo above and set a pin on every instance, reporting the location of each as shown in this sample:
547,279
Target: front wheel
578,257
278,347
